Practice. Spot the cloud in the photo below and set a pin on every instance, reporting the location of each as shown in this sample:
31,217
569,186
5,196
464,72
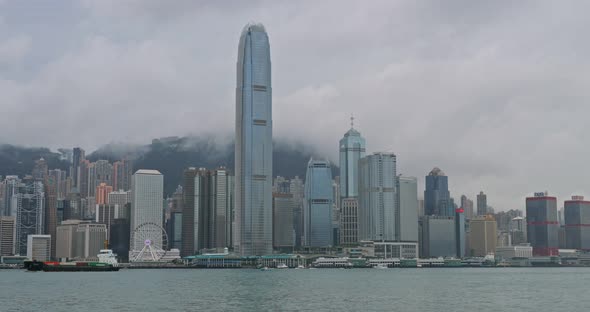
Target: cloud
493,93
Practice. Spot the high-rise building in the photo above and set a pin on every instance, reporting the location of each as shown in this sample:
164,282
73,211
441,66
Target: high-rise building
80,240
352,149
122,172
378,212
40,169
30,219
147,204
542,224
296,188
7,235
482,236
222,207
482,204
407,222
119,198
467,205
51,189
518,231
119,237
78,157
577,223
349,221
38,247
99,172
102,193
59,176
83,177
283,231
317,213
10,189
460,232
73,206
436,195
437,237
253,147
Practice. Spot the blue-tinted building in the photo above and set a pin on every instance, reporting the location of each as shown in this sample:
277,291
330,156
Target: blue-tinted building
437,200
253,148
352,149
318,200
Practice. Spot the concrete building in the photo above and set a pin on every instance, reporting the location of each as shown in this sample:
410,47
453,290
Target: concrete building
147,204
7,235
352,149
102,193
99,172
283,231
516,251
122,173
482,204
349,222
378,211
437,237
408,209
80,240
577,223
467,205
436,195
253,148
542,224
39,247
317,214
482,236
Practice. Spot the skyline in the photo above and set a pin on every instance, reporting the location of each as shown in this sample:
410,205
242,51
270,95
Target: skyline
505,115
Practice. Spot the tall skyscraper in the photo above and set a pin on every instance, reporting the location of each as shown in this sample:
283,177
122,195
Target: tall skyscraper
147,203
296,188
51,188
78,156
40,170
283,230
10,189
99,172
482,204
460,232
467,205
122,172
317,213
30,219
577,223
542,224
253,148
378,211
482,236
407,222
352,149
436,195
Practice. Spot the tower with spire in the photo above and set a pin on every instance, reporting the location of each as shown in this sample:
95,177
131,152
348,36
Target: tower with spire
352,148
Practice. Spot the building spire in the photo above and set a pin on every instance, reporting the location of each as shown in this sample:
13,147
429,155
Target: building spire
351,121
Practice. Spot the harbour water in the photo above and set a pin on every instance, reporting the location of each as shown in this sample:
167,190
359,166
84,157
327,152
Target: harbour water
465,289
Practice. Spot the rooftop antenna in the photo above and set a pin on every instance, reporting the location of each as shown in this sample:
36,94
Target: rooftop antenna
351,121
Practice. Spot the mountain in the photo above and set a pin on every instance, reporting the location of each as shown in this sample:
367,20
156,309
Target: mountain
19,160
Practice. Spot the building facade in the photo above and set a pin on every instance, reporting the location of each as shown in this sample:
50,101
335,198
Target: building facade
146,205
482,236
577,223
437,237
30,218
349,222
39,247
253,147
436,195
408,209
283,230
378,212
352,149
482,204
542,224
318,205
7,235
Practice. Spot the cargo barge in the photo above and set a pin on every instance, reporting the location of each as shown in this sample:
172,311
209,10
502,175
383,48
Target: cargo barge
107,263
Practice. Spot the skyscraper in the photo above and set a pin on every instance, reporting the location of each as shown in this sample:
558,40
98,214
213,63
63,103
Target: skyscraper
352,149
577,223
349,234
253,148
378,211
542,224
482,204
467,205
146,203
102,193
407,222
78,156
482,236
7,235
436,195
122,172
317,213
30,219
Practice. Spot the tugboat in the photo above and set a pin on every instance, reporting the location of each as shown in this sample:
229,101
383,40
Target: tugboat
107,262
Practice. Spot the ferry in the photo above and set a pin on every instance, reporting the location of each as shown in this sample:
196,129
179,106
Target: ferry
107,261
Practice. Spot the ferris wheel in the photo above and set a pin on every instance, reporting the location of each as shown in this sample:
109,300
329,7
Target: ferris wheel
150,242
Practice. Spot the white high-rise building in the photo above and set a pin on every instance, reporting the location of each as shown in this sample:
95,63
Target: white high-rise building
407,224
147,205
253,148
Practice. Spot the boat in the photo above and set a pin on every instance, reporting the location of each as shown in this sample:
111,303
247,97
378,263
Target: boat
300,267
265,269
107,263
380,266
282,266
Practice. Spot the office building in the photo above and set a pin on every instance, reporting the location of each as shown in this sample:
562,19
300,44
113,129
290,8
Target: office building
542,224
7,235
296,188
467,205
102,193
408,209
482,204
437,237
577,223
460,232
482,236
352,149
436,195
318,205
30,218
146,204
38,247
377,198
283,230
10,189
83,177
349,222
77,158
80,240
253,147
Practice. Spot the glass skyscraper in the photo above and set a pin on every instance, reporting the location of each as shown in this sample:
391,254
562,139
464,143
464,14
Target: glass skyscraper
318,204
437,200
253,149
352,149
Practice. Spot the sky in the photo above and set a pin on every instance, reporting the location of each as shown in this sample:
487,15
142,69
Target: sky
495,93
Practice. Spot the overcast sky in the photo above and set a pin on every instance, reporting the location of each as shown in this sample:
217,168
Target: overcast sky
495,93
